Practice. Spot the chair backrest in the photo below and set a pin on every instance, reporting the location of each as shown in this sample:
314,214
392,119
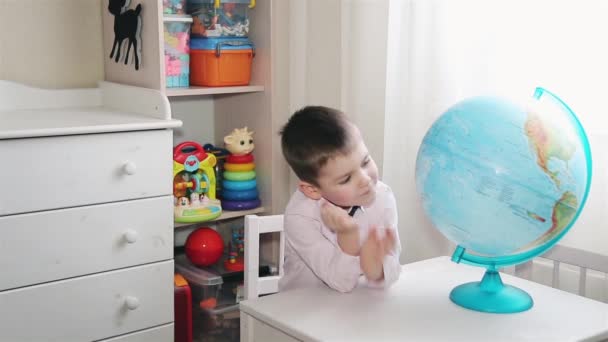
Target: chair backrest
559,254
255,285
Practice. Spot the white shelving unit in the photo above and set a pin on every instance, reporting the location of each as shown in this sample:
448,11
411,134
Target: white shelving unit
261,106
226,215
194,91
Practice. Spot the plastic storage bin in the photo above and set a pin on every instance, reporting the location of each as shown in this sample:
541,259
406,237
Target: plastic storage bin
225,18
215,311
177,50
217,62
174,6
204,284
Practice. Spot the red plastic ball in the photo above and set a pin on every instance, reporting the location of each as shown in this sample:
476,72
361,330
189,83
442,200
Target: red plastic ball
204,246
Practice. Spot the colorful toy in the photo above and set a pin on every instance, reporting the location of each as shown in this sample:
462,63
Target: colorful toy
177,50
239,185
239,175
242,195
239,178
241,205
236,248
240,142
204,246
221,18
240,159
240,167
194,184
174,6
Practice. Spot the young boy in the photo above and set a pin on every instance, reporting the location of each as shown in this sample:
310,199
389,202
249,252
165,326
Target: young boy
341,223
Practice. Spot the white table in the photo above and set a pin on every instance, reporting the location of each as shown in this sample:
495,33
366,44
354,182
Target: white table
418,308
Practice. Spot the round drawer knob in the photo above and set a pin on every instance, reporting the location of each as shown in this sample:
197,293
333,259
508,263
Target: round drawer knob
130,168
131,236
131,302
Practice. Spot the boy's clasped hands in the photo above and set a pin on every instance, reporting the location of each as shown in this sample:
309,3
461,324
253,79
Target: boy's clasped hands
380,240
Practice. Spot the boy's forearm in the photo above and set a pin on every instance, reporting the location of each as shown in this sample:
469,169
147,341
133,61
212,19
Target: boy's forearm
349,242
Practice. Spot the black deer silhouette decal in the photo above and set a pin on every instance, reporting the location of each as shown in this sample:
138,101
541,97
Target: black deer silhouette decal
127,25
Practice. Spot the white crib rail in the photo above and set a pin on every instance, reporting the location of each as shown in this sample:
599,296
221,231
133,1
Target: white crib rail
582,259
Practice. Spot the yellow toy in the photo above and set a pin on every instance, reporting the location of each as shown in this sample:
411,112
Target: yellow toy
194,184
239,184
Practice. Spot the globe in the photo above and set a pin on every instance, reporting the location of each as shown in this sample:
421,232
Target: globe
504,181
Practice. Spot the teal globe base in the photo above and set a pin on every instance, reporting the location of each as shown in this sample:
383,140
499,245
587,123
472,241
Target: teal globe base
491,295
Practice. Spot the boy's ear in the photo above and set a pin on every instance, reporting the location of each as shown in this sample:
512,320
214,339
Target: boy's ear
310,190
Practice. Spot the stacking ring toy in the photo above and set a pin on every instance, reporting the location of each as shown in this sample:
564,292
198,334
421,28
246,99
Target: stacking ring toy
239,185
239,167
246,158
240,205
242,195
239,176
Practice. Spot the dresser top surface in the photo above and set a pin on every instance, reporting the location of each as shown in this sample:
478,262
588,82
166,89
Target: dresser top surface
27,112
27,123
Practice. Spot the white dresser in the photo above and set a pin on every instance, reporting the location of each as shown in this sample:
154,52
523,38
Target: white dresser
86,220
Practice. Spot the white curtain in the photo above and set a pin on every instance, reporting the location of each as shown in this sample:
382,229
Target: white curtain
441,51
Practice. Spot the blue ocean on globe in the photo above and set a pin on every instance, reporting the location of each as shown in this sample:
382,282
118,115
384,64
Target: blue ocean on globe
498,178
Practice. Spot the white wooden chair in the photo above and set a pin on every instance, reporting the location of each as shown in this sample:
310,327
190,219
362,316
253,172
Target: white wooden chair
559,254
274,249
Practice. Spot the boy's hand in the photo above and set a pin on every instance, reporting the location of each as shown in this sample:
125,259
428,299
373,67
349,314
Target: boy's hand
336,218
373,251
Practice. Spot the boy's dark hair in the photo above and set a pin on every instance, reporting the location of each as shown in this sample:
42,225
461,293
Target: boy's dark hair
311,137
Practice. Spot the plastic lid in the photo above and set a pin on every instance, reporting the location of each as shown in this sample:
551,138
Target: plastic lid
240,43
179,280
194,274
197,2
177,18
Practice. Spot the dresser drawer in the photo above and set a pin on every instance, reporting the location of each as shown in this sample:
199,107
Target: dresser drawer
163,333
65,171
89,308
57,244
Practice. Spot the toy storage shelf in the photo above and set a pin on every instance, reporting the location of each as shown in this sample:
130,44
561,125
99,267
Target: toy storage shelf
262,106
193,91
225,216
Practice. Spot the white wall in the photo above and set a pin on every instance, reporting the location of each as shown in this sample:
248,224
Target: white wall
364,39
60,46
339,62
198,117
51,44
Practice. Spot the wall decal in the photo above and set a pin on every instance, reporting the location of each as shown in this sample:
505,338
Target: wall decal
127,26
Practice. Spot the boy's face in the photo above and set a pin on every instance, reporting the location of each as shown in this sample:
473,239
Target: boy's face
349,180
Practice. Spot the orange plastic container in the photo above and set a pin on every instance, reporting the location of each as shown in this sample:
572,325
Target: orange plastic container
220,62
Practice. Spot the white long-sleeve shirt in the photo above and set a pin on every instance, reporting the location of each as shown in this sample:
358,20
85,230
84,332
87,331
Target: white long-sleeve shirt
313,256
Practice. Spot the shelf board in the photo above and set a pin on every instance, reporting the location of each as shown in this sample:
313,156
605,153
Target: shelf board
225,215
193,91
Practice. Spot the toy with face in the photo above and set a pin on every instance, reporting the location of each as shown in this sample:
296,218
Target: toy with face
239,142
194,201
183,202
